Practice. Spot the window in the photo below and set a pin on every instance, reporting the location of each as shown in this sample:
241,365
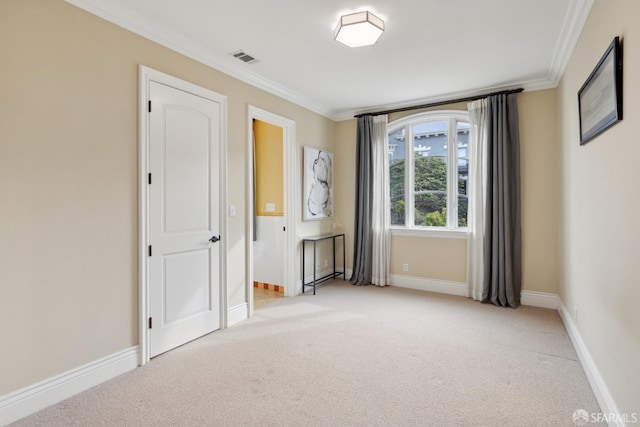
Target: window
428,177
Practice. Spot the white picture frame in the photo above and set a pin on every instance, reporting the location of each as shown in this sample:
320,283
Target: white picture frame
317,171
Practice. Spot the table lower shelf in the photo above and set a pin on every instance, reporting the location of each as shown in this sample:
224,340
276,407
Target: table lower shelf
321,280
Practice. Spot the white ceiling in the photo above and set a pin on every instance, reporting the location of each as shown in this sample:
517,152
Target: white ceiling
431,49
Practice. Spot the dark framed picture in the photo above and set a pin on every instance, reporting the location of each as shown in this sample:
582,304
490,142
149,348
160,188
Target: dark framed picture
600,97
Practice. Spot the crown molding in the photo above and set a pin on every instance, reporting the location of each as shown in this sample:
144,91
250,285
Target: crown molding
575,18
574,21
164,37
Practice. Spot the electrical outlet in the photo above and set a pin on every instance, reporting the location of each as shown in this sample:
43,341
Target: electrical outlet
326,263
405,267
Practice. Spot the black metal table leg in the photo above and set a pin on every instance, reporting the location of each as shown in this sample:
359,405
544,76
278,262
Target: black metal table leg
314,267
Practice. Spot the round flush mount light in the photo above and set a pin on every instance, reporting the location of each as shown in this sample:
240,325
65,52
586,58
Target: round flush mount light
359,29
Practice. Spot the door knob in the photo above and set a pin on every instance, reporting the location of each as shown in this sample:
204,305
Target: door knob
214,239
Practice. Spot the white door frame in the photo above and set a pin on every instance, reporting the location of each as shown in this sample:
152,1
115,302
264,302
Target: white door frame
145,76
289,144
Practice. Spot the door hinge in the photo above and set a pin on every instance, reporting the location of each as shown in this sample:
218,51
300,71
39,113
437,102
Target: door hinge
149,105
150,322
149,178
150,250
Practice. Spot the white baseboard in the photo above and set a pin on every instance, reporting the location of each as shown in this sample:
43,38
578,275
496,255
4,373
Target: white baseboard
539,299
33,398
237,314
598,385
530,298
431,285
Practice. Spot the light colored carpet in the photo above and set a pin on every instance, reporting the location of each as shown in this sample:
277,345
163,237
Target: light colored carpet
353,356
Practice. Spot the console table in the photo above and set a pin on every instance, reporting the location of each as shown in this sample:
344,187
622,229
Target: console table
317,280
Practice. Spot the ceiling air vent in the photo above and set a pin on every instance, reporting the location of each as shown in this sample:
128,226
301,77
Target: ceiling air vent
244,57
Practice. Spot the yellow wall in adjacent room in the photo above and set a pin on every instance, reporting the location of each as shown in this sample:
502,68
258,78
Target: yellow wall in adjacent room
269,176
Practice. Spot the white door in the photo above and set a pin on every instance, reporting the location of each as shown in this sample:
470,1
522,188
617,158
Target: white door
184,217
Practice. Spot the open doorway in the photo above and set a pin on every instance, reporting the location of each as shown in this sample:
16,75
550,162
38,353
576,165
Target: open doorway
269,223
270,243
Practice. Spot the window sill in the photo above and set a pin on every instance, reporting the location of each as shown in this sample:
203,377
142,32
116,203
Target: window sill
430,232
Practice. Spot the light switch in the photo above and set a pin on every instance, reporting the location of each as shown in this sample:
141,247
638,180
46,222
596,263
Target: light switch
232,210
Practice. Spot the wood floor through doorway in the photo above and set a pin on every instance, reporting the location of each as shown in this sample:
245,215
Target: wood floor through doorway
262,297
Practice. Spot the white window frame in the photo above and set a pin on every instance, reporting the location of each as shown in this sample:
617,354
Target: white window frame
409,229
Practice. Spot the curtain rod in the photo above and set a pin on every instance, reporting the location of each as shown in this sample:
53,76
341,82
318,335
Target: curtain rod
437,104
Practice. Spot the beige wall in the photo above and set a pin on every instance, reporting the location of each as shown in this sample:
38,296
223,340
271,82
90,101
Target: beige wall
68,183
539,190
344,179
431,258
599,227
446,259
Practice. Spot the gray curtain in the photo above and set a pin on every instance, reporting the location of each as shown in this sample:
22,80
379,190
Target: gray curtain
503,246
362,242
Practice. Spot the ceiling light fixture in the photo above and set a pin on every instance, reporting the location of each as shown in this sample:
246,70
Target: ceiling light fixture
359,29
